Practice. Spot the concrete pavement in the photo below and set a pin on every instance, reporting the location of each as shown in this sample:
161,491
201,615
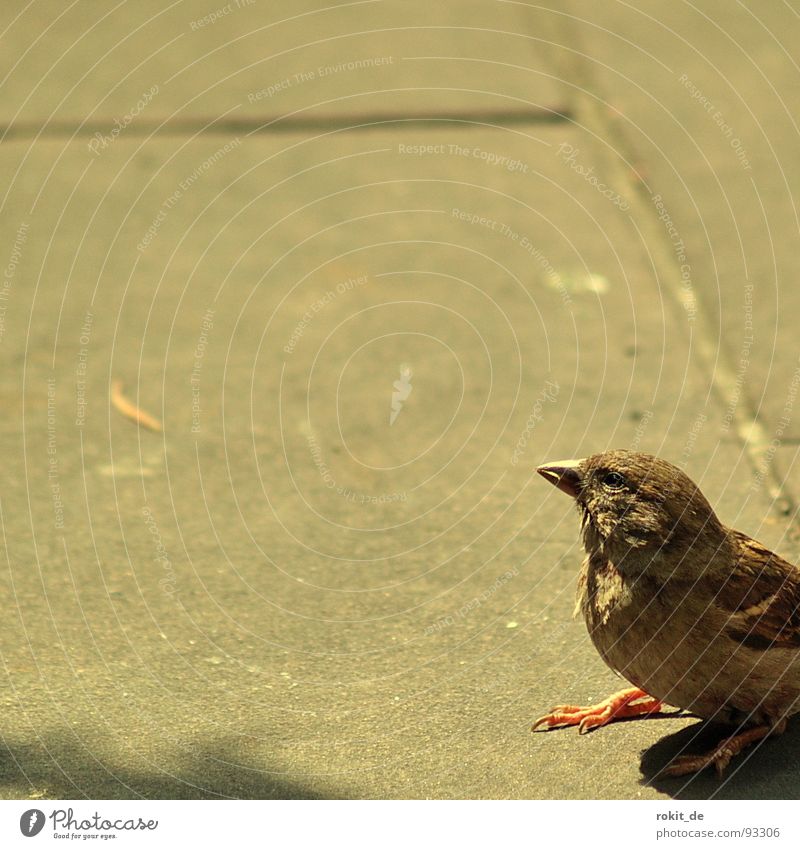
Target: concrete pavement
369,265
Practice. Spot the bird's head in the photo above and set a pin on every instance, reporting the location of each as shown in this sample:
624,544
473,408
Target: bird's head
635,508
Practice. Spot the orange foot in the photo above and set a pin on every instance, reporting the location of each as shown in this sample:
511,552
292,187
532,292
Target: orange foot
619,706
721,756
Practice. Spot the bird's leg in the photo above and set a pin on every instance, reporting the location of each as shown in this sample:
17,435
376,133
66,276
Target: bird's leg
619,706
721,756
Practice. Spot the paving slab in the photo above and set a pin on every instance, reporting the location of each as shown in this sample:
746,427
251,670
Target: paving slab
701,106
333,572
146,63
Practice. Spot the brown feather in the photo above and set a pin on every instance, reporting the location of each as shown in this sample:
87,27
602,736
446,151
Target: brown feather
762,593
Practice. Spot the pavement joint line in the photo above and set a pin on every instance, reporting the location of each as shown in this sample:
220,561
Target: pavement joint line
751,433
27,130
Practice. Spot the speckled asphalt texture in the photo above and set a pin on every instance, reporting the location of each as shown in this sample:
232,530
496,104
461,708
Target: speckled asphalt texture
369,264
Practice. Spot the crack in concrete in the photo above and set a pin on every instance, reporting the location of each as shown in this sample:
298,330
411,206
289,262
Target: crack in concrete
289,123
593,112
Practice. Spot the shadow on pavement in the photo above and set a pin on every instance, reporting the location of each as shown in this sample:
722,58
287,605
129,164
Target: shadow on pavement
58,766
767,771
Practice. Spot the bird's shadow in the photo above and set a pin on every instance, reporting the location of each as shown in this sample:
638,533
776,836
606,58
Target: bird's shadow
56,765
766,770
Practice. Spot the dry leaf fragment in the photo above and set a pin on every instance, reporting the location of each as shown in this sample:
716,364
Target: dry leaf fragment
130,410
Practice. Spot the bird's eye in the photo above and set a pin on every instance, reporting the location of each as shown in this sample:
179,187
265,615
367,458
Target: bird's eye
614,480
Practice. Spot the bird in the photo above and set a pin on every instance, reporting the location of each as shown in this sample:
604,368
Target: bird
691,612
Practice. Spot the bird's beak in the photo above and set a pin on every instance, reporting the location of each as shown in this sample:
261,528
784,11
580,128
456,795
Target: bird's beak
564,474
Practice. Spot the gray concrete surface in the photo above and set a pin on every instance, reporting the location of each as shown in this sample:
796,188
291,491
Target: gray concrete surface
282,594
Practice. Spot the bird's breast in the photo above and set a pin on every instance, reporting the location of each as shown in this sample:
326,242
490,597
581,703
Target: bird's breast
603,594
628,624
674,645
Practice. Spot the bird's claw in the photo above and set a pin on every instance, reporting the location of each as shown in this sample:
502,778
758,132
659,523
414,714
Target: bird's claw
690,764
723,754
627,703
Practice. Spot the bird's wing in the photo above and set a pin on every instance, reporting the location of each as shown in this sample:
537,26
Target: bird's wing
761,596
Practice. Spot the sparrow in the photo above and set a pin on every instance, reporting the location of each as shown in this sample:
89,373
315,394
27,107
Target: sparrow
692,613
